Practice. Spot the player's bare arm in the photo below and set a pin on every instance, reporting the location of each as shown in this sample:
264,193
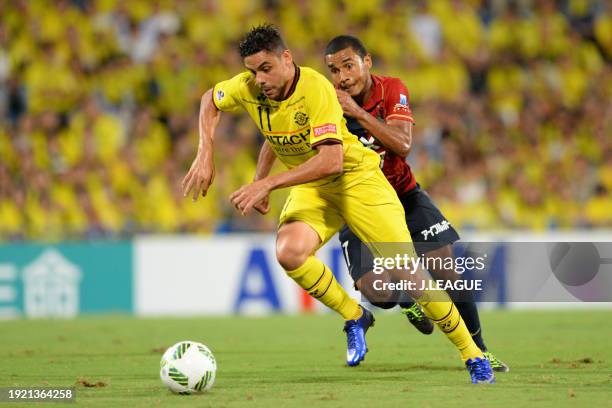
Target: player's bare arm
395,135
327,162
265,161
202,172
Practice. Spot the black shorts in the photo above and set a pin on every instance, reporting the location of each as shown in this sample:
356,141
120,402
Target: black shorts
428,228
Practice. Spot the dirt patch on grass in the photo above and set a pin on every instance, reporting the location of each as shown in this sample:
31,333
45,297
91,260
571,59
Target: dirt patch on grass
160,349
84,382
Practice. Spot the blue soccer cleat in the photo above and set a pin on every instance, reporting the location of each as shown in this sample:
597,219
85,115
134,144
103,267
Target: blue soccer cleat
480,370
355,337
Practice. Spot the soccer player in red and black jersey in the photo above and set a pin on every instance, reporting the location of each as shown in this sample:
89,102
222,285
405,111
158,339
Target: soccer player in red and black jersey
377,111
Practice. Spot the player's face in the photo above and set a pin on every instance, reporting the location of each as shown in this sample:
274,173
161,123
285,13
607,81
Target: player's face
349,71
271,71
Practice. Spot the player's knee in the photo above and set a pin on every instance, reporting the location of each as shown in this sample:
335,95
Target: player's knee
385,299
384,305
291,254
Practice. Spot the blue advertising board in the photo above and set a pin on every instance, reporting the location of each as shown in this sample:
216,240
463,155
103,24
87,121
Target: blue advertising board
67,279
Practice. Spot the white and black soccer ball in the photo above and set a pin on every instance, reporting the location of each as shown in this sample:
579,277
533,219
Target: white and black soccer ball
188,367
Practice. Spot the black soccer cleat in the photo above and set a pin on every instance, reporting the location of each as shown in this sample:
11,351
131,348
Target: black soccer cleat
418,319
496,363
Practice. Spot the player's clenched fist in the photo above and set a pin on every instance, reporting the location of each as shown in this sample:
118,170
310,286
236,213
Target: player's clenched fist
349,106
249,196
200,176
263,207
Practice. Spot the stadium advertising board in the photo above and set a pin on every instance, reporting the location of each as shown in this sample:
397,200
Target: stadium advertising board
64,280
233,274
239,274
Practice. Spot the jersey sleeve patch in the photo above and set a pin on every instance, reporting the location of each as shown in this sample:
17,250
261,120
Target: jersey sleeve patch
397,101
226,94
217,97
325,129
220,94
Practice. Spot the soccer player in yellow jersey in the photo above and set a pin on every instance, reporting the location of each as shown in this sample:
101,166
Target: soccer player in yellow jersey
335,180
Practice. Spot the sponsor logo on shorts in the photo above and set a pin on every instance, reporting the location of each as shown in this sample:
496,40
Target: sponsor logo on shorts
435,229
220,94
324,129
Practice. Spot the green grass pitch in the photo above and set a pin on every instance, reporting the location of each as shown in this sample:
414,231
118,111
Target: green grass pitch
557,358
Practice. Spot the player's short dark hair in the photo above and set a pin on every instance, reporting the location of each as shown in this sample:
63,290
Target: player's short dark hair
342,42
264,37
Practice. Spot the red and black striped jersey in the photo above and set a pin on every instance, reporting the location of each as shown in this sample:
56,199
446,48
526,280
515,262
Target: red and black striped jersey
388,101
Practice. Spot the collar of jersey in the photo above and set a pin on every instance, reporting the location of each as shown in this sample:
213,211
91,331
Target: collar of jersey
377,93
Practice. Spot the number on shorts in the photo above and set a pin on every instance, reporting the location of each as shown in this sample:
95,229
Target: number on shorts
345,253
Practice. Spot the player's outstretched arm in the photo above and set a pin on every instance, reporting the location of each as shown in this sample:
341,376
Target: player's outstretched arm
265,161
395,135
327,162
202,171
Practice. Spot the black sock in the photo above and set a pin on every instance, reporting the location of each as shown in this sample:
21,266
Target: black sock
469,313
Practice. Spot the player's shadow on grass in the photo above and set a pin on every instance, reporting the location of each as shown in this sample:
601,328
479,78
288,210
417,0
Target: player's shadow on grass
316,379
408,368
344,379
376,368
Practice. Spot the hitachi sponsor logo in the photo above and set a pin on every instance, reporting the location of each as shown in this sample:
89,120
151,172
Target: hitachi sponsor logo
289,140
435,229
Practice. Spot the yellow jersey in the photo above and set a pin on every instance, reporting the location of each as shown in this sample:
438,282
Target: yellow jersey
293,127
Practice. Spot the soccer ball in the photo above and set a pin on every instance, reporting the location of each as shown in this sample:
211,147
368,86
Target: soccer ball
188,367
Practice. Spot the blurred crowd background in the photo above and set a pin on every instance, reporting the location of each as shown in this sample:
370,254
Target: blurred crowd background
99,103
